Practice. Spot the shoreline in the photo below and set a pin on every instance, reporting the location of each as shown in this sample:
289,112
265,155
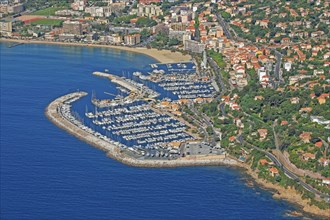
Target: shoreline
290,194
162,56
112,151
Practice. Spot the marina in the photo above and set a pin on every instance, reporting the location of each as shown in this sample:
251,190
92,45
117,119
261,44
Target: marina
60,113
179,81
184,86
139,127
188,89
140,119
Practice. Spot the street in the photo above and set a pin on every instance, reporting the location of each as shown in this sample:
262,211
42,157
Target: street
224,26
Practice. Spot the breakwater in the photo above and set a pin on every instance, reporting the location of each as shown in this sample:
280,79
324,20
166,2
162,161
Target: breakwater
117,80
54,114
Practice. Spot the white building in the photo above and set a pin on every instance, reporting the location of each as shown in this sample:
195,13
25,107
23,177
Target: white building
287,66
261,73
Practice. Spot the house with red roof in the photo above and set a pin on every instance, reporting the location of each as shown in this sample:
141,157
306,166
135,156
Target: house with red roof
324,162
232,138
294,100
263,162
273,171
263,133
305,136
308,156
318,144
263,23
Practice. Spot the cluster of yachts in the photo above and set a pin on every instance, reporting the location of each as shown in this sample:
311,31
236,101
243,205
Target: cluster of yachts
154,65
188,67
122,90
117,111
64,111
178,67
132,124
157,150
140,75
185,88
106,103
143,89
139,124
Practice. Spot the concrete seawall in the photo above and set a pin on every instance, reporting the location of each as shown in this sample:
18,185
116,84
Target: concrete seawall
114,151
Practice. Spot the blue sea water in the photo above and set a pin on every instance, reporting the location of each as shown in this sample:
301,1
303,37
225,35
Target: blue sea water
49,174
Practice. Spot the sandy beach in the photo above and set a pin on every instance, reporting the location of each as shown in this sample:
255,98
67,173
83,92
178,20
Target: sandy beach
163,56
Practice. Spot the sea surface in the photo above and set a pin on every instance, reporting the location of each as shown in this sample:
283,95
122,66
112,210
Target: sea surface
49,174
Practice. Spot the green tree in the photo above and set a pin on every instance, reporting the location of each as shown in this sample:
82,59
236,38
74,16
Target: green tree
145,33
225,15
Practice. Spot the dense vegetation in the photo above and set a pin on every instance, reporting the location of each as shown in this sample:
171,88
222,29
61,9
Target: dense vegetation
42,4
163,41
145,22
217,57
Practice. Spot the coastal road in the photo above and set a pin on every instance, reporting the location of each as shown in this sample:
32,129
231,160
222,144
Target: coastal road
284,159
292,175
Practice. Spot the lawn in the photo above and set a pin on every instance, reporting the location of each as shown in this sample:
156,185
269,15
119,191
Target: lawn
48,22
47,11
217,57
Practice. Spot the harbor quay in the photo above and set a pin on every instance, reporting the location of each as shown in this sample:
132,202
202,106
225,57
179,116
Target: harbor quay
59,113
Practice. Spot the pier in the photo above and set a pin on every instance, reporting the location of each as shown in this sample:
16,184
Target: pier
14,45
117,80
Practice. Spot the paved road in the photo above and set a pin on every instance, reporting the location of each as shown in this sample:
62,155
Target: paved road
207,122
278,75
218,76
240,138
222,107
277,70
224,26
292,175
199,124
